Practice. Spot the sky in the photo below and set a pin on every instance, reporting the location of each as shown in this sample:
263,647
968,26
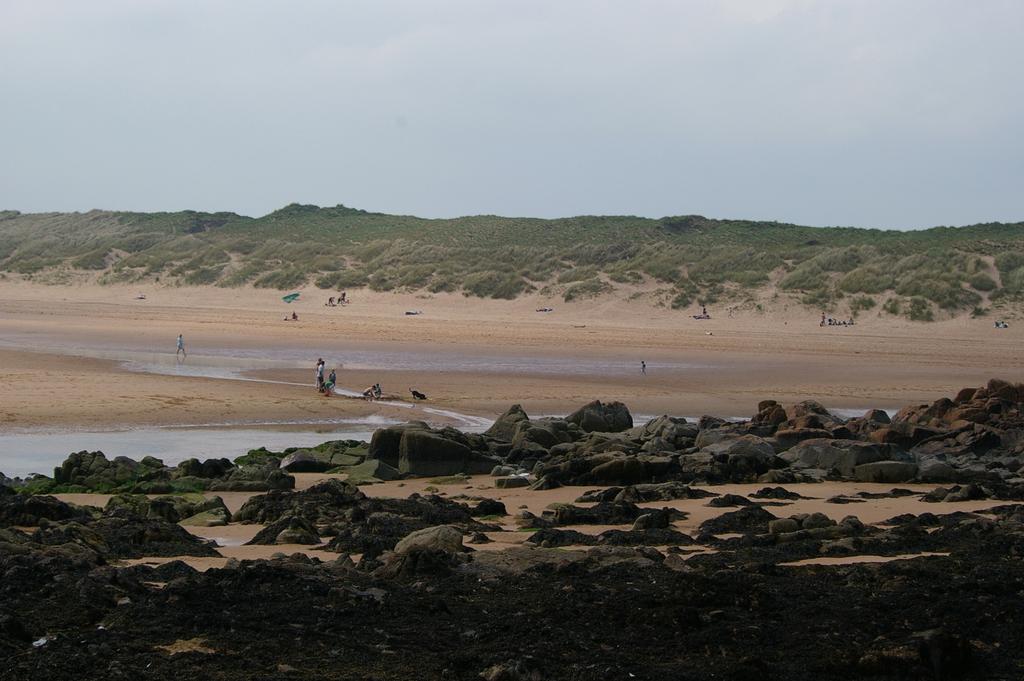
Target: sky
874,113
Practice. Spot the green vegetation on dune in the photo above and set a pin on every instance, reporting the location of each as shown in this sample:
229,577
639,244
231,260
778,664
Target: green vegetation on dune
701,260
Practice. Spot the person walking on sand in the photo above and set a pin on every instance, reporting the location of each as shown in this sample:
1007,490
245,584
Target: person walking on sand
643,367
181,348
320,375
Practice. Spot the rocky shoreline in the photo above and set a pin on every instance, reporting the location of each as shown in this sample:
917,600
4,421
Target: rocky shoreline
615,584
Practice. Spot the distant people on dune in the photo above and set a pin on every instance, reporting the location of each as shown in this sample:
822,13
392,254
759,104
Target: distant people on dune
335,302
829,321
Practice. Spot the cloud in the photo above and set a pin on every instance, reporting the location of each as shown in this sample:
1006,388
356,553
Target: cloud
874,113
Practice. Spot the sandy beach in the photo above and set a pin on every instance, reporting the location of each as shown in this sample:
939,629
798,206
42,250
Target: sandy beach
93,356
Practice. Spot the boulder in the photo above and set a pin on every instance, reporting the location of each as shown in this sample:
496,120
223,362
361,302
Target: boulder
441,538
596,416
545,433
210,468
215,517
816,520
885,471
507,425
841,456
386,442
290,529
253,479
324,457
934,470
788,438
423,453
305,461
746,452
371,471
30,510
488,507
727,500
512,482
807,408
877,416
418,450
747,520
94,472
652,521
665,433
769,413
783,526
297,535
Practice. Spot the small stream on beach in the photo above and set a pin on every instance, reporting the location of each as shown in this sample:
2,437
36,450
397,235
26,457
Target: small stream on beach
25,452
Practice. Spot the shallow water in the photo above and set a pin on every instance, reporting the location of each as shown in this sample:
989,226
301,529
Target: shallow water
25,453
229,362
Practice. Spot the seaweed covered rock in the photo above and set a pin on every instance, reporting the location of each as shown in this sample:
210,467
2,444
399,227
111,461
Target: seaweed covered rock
172,508
288,530
664,491
324,457
125,535
28,510
324,502
93,472
747,520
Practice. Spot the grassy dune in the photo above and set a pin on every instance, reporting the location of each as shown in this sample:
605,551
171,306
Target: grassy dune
677,261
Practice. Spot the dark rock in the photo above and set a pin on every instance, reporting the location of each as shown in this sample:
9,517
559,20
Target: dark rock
513,482
596,416
653,520
840,456
287,530
727,500
747,520
28,511
776,493
488,507
442,538
507,425
885,471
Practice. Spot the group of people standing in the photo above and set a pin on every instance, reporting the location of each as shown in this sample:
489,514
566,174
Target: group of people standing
342,299
325,386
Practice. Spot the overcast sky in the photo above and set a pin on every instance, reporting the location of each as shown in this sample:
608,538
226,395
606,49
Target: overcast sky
882,113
